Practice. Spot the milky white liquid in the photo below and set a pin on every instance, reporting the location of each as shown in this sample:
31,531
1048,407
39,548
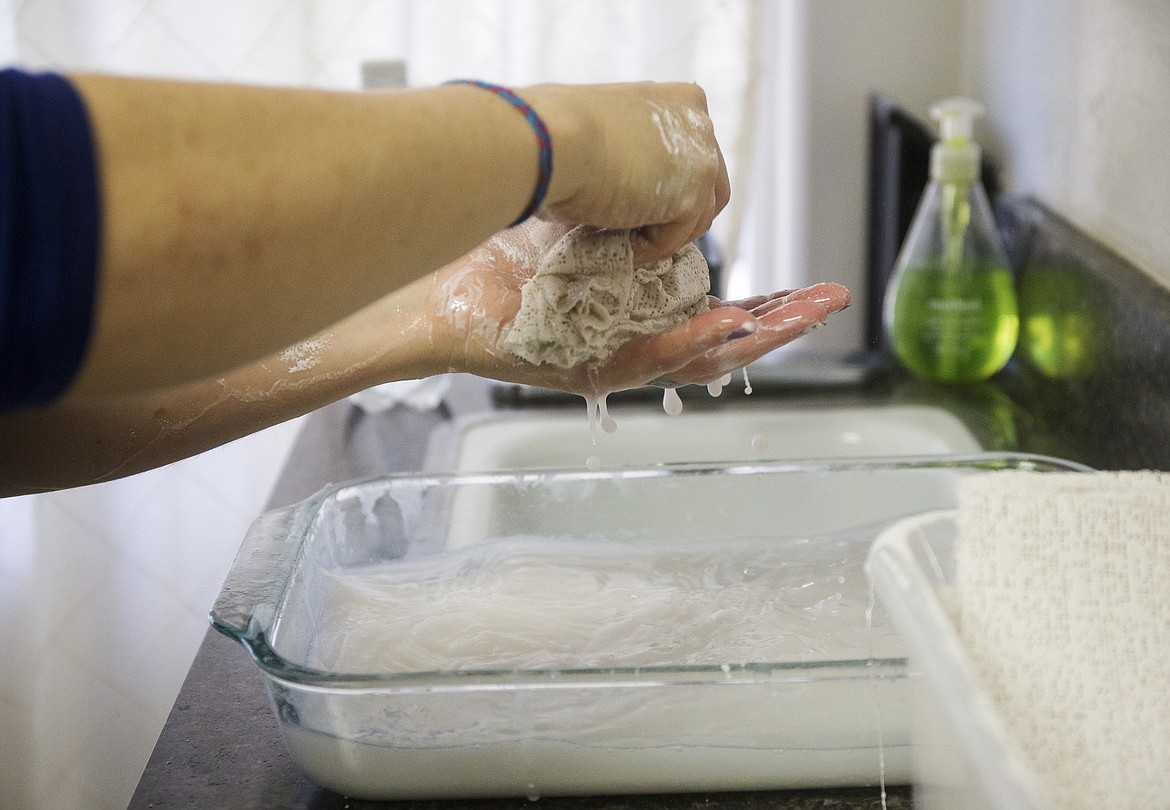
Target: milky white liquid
541,603
671,402
877,705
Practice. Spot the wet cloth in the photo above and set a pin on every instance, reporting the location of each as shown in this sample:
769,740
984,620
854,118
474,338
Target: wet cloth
586,298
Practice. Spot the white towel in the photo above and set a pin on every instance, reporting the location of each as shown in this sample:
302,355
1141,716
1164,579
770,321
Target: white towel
1062,597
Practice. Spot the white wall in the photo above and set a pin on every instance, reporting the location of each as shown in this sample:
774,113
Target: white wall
104,590
1078,94
826,56
1078,100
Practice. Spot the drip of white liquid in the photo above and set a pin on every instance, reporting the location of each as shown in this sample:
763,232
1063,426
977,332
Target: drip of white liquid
598,410
715,387
876,699
591,404
747,384
671,402
608,424
760,443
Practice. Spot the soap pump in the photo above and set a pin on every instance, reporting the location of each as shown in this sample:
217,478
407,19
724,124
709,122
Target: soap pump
950,309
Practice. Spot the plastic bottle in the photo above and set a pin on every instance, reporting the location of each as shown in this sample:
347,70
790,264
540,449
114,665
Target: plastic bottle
950,308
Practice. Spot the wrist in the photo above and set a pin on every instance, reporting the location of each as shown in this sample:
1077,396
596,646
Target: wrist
539,132
568,129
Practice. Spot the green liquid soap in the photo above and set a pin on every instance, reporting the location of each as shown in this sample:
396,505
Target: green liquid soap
955,325
950,310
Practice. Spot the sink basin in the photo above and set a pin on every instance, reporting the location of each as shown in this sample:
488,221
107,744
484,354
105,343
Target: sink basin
558,439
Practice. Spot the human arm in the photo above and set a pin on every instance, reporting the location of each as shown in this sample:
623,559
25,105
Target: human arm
414,332
237,220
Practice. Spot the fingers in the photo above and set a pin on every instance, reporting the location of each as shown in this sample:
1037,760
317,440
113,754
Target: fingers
652,356
780,319
715,343
832,296
661,240
655,242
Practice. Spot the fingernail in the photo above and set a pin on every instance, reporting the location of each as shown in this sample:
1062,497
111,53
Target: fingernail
748,328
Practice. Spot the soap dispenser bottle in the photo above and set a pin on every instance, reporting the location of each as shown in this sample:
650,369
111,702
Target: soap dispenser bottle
950,308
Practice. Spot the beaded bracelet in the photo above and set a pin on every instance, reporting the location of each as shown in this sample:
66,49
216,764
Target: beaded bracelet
542,140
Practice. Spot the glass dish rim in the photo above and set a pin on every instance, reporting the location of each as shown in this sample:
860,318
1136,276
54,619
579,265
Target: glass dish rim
254,635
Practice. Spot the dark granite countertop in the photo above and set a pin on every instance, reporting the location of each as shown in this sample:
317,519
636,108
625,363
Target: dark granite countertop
221,744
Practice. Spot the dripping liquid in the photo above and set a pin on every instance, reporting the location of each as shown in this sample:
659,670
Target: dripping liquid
877,706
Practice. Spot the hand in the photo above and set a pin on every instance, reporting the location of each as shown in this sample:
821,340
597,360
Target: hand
780,318
640,156
476,299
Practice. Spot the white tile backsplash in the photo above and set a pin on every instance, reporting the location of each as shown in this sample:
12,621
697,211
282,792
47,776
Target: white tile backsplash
1079,110
104,590
104,593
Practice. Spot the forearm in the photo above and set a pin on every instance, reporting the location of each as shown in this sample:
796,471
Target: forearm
90,439
266,215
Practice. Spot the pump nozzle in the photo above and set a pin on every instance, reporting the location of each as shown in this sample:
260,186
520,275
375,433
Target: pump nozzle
956,117
955,158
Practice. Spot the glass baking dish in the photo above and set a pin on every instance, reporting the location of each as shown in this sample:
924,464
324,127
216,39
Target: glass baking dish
962,757
677,628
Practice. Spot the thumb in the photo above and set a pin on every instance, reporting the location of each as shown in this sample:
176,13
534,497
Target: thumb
651,243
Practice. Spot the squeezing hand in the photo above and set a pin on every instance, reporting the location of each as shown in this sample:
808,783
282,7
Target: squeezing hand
477,298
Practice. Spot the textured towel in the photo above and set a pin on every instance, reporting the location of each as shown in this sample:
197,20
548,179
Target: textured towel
586,298
1062,597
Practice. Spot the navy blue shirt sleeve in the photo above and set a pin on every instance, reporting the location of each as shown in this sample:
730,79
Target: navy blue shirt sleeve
49,236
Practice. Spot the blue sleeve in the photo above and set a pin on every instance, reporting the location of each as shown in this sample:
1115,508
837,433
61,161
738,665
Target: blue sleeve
49,236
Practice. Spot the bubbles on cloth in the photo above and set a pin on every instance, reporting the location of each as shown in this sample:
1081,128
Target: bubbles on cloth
587,299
